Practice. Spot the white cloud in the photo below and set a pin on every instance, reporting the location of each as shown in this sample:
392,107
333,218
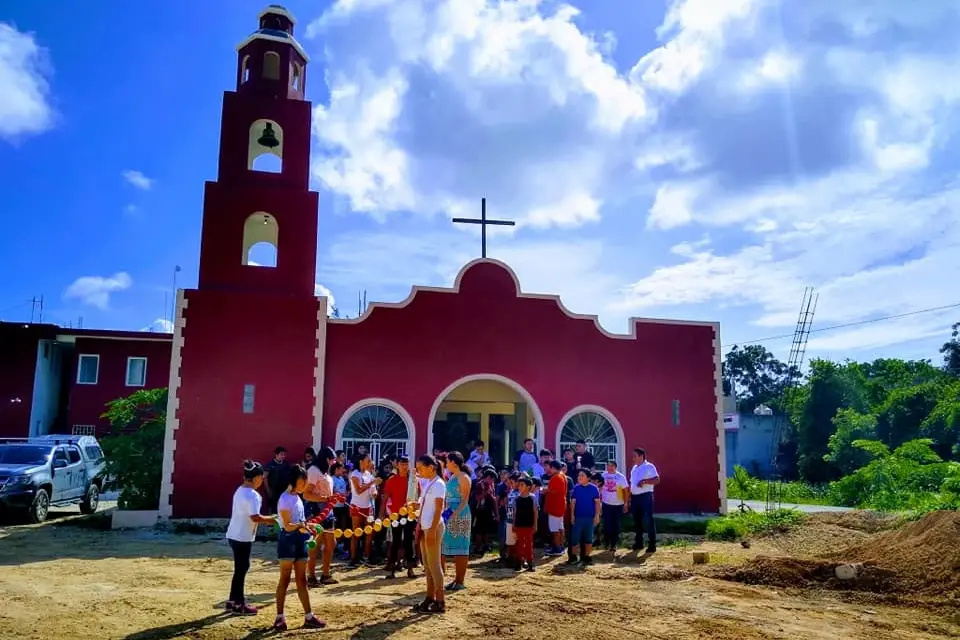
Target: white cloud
24,88
457,100
138,180
773,146
95,290
160,325
320,290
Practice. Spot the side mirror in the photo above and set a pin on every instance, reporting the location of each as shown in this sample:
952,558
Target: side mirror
59,463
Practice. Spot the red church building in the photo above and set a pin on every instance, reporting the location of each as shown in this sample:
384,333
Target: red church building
256,362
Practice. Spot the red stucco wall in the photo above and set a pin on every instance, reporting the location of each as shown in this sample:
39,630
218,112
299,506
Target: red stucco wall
409,355
88,401
18,363
231,340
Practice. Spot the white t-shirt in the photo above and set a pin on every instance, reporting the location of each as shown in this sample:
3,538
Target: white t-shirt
612,484
642,471
246,503
430,490
291,502
363,500
322,483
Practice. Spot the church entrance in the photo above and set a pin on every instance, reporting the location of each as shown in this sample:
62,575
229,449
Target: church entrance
484,408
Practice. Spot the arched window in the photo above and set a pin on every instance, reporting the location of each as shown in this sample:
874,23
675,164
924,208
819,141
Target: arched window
271,65
377,427
265,147
261,237
597,431
245,70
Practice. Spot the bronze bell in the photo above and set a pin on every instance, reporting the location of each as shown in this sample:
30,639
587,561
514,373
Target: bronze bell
268,138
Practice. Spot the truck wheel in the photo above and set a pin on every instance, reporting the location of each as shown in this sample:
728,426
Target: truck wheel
40,508
91,501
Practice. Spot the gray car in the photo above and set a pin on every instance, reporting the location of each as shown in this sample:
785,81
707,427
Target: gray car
50,471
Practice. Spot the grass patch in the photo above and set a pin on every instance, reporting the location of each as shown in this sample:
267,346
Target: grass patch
741,525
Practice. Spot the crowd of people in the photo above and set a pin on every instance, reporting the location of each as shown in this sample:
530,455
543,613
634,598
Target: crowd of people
443,507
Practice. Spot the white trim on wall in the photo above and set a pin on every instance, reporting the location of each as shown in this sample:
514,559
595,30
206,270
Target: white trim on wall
539,431
319,371
631,323
612,419
173,405
383,402
721,431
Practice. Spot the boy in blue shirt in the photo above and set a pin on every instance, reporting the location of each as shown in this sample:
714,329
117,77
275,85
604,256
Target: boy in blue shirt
585,506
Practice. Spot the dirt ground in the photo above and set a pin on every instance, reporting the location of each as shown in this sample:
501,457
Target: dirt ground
64,581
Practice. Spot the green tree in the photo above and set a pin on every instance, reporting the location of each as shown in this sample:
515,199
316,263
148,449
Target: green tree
951,352
849,427
812,407
942,424
909,477
134,448
756,377
901,415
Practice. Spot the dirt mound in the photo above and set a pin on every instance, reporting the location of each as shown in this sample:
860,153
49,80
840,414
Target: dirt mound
803,573
864,521
924,554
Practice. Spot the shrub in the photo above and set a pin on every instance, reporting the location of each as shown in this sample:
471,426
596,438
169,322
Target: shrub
741,525
134,448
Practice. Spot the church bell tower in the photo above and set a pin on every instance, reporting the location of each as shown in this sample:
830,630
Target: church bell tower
247,359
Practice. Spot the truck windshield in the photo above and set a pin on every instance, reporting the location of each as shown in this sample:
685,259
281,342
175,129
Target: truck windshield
20,454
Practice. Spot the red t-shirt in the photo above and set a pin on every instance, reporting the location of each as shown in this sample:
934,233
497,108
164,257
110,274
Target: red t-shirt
395,492
556,501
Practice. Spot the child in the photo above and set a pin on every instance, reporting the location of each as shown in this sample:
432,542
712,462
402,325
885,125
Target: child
363,485
614,505
585,506
484,507
510,538
525,524
596,479
503,489
316,498
241,533
292,550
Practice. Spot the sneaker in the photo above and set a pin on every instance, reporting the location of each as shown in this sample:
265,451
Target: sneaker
530,567
326,580
572,560
518,567
410,573
228,605
244,610
652,548
312,582
313,622
587,560
280,624
390,576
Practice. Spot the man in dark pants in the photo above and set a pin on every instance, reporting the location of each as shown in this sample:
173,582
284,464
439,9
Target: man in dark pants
276,478
643,478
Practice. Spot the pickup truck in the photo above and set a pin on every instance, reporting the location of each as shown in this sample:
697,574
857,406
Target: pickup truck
48,471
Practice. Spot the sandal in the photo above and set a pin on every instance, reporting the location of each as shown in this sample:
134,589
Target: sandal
423,607
437,607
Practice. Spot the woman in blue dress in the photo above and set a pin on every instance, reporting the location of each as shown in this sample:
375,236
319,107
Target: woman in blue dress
456,539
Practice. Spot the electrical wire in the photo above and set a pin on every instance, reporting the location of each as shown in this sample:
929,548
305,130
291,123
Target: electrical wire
855,324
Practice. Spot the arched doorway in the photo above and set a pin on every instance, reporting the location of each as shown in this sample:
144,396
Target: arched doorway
381,426
486,407
598,428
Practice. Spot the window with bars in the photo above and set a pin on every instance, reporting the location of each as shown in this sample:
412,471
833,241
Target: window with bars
84,430
379,428
598,434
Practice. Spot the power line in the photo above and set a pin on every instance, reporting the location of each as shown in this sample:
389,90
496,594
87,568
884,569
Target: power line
855,324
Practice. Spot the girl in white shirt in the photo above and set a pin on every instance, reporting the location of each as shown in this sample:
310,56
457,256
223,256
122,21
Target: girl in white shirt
363,485
242,531
430,532
292,550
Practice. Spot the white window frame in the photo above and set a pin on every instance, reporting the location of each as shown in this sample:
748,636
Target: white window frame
80,358
126,374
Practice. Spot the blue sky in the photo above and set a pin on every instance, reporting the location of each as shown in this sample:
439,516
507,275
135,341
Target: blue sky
668,158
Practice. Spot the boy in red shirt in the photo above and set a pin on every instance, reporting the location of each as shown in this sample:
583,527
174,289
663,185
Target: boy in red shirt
394,497
555,504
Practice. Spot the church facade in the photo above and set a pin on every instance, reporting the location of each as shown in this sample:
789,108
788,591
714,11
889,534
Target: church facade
256,362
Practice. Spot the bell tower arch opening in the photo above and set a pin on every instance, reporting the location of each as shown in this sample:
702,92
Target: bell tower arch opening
265,147
261,237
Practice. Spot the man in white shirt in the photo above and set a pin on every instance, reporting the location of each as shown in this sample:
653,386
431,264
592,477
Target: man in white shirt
643,478
614,504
